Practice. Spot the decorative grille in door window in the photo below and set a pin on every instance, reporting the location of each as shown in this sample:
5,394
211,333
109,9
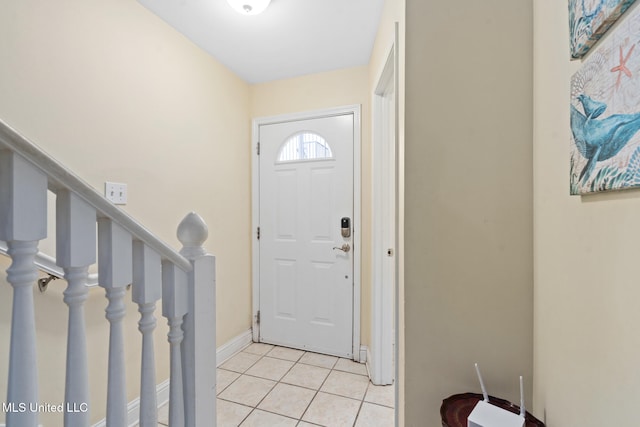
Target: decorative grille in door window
304,146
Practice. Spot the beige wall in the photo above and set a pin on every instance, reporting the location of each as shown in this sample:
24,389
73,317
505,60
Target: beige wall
116,94
327,90
468,200
312,92
586,284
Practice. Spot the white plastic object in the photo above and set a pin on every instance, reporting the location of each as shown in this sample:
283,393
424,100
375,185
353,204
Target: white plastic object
484,390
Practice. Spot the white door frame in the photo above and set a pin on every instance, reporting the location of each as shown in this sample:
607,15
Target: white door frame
357,211
384,194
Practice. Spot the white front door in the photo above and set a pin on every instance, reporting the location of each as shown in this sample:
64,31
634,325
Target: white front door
306,193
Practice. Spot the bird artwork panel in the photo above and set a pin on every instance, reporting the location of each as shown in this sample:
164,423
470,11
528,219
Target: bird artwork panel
605,114
589,20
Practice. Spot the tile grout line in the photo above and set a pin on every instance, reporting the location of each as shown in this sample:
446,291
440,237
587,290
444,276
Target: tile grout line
240,376
316,391
276,383
228,385
296,362
271,389
256,406
334,369
355,421
362,402
315,395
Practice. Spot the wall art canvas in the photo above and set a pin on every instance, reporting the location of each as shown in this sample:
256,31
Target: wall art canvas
590,19
605,113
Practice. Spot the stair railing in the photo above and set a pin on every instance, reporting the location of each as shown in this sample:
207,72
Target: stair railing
127,253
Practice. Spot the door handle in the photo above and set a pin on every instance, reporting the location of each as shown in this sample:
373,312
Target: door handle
344,248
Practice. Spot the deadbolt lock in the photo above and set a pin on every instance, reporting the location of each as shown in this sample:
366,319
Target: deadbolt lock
345,227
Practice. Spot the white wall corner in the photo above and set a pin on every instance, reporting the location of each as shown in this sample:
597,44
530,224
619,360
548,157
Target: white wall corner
223,353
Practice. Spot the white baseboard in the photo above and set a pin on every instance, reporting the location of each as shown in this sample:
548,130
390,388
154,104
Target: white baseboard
364,353
231,347
224,352
133,408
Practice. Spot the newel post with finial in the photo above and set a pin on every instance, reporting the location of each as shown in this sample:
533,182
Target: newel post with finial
199,344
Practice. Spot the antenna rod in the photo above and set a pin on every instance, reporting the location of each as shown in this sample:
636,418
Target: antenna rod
484,390
522,409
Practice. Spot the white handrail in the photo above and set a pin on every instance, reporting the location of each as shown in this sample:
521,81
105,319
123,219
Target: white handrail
62,178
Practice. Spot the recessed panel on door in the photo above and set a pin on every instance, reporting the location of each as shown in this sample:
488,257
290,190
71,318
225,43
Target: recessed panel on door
285,289
321,310
322,205
287,204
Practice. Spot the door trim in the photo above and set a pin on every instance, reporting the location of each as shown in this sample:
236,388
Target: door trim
357,210
383,329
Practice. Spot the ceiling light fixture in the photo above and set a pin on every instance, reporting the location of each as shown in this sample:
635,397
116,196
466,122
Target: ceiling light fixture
249,7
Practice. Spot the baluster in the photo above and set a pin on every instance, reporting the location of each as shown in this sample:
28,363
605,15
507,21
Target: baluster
174,307
75,252
199,367
23,222
147,289
115,273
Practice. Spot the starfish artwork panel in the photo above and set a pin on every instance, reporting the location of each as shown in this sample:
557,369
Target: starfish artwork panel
589,20
605,114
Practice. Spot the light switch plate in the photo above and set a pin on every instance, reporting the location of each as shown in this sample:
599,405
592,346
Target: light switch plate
116,192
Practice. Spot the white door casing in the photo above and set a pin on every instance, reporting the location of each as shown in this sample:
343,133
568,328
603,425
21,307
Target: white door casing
306,291
384,224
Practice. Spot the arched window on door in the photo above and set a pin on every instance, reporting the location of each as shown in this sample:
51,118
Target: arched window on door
304,146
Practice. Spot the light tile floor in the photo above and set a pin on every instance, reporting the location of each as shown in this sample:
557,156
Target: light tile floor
269,386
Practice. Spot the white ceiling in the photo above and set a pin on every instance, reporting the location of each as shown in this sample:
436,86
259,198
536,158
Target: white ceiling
291,38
